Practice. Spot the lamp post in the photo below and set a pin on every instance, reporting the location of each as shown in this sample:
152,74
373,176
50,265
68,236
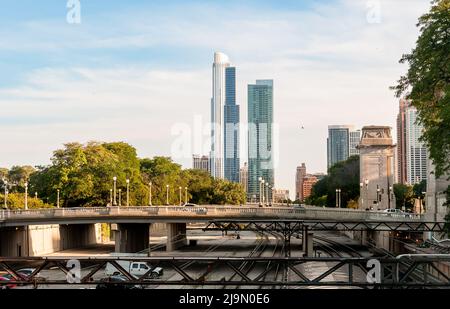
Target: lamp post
366,184
378,197
5,183
57,198
389,196
150,195
110,197
185,195
167,194
361,186
128,192
263,186
114,193
120,197
260,197
181,202
337,199
273,196
26,195
267,194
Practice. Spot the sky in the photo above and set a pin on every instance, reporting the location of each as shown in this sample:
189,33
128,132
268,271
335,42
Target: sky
140,72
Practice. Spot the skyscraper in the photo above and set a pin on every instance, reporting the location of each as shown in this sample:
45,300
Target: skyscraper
299,176
411,152
260,122
231,133
416,152
354,140
243,177
341,143
221,62
224,156
401,141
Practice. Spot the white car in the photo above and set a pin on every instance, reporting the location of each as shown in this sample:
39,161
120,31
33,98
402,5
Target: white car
396,212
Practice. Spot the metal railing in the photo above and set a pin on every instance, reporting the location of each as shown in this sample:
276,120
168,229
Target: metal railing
213,211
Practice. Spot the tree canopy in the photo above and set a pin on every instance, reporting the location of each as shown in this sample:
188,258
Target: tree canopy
427,82
343,175
83,173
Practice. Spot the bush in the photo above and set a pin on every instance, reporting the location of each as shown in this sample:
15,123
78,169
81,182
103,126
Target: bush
17,201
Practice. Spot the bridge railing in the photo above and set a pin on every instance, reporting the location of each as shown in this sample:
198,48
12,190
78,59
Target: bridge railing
213,211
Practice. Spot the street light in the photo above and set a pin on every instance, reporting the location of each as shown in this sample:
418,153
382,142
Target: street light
260,197
185,195
114,193
57,198
378,197
26,195
128,192
389,196
150,196
5,183
338,198
361,185
263,192
167,194
120,197
267,193
110,197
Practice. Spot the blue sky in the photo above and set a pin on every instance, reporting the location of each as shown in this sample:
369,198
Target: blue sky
138,71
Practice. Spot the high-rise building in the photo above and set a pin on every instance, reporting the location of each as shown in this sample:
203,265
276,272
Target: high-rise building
221,63
260,122
200,163
224,156
243,176
342,142
411,152
301,173
231,132
401,142
416,152
308,182
354,139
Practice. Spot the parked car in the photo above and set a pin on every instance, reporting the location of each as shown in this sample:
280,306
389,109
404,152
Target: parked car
117,282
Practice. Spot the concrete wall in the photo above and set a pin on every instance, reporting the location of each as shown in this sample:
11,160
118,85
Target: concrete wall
131,238
36,240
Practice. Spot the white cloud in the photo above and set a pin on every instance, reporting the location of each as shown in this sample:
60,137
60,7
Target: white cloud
329,65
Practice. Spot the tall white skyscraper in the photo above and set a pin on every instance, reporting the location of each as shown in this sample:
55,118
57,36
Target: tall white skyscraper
221,62
416,152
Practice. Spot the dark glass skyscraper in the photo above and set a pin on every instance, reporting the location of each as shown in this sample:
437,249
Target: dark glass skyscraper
231,130
260,147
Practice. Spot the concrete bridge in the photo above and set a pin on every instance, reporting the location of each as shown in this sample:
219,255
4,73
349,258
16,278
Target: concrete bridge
176,214
32,232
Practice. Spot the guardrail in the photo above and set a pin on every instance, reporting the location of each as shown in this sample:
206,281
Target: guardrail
213,211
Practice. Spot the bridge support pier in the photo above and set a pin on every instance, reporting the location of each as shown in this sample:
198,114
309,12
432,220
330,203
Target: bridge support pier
131,238
176,236
77,236
308,242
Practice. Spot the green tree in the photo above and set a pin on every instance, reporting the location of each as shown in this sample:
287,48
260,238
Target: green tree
404,196
18,176
17,201
427,82
343,175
